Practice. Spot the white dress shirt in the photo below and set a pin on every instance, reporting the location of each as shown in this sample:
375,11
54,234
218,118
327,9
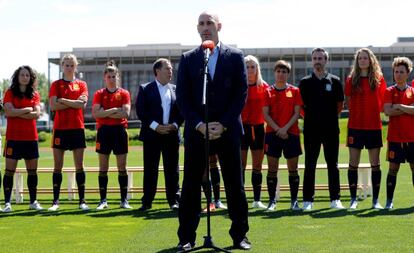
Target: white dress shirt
165,94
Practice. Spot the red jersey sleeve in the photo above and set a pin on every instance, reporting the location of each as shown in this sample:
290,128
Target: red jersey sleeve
266,100
126,98
84,89
382,89
298,98
388,96
8,97
348,87
36,99
53,90
97,97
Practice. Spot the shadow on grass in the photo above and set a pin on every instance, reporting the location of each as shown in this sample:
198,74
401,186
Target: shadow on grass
204,250
385,212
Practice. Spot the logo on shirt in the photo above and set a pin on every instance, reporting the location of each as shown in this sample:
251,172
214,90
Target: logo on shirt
75,86
9,151
118,97
409,94
328,87
289,94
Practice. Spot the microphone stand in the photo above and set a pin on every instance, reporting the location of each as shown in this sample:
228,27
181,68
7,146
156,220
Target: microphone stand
208,240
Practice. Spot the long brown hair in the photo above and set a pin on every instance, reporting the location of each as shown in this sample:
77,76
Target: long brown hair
374,70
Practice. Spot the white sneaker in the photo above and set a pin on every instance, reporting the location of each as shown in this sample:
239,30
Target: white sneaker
377,205
337,204
219,204
54,207
258,204
353,205
35,206
307,206
102,205
272,206
7,208
295,206
389,205
125,205
84,207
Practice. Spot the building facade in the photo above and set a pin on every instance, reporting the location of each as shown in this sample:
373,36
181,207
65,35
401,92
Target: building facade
135,63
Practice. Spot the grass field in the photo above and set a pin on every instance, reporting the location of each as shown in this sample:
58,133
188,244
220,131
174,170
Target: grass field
117,230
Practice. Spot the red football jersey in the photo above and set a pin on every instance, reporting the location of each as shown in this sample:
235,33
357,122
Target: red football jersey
252,113
365,104
69,118
400,128
281,105
19,129
108,100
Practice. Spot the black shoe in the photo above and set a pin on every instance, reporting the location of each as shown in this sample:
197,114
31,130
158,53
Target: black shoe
185,247
243,244
144,207
175,207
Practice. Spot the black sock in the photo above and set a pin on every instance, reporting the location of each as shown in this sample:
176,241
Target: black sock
215,181
294,185
103,184
32,184
391,182
8,185
123,184
57,182
353,181
257,184
207,189
271,188
376,184
80,181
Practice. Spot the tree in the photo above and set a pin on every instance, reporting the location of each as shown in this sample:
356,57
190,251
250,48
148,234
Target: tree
43,87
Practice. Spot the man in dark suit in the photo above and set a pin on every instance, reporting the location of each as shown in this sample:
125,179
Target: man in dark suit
227,91
156,108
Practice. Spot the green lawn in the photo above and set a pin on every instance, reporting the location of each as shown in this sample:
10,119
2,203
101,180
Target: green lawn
117,230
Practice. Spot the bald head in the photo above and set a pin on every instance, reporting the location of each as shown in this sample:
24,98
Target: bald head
208,26
214,16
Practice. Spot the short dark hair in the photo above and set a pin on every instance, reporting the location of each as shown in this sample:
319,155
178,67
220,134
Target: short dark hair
158,64
319,49
281,64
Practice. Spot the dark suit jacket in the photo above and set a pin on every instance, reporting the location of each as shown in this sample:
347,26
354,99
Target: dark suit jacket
149,109
227,90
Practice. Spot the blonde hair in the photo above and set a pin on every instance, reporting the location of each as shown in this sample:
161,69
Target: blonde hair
374,70
255,61
402,61
71,57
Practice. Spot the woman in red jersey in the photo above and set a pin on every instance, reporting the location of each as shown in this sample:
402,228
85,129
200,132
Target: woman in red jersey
111,108
68,97
399,106
281,112
364,91
253,125
22,108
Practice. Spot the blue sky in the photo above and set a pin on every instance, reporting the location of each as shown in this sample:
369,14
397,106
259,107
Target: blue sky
31,29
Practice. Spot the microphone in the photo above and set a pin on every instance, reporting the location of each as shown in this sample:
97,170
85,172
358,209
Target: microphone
208,46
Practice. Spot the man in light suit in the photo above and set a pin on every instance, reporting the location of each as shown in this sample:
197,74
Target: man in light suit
227,91
156,108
